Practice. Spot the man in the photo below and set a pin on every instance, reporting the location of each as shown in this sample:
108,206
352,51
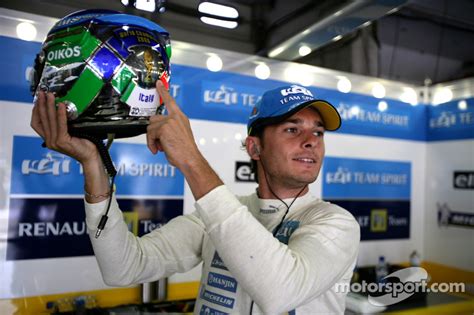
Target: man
275,251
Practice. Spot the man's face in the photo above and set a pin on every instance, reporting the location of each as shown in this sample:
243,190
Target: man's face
292,151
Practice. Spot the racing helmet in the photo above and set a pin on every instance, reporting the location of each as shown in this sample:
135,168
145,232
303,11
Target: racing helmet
103,65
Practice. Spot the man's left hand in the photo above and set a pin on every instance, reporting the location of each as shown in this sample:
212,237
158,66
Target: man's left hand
172,133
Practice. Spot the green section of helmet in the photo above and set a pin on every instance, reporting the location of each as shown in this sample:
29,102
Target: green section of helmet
122,78
84,91
106,80
72,48
168,51
126,94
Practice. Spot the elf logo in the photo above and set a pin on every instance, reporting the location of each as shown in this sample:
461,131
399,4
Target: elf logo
296,89
64,53
243,172
463,179
52,163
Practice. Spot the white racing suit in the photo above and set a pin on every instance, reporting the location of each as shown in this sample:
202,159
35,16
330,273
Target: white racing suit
302,270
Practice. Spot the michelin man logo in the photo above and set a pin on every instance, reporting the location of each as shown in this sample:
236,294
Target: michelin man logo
52,163
296,89
340,176
444,214
224,95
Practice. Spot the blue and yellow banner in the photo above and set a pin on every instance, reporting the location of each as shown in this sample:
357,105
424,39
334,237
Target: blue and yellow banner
377,193
37,170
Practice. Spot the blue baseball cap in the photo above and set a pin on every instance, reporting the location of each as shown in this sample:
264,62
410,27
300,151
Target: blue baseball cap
278,104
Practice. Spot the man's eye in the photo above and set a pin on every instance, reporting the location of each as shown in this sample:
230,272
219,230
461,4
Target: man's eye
319,133
291,130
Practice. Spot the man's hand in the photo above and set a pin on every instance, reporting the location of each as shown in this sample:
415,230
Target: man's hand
172,134
51,124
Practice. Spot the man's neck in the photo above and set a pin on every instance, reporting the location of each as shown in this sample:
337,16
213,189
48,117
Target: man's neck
264,192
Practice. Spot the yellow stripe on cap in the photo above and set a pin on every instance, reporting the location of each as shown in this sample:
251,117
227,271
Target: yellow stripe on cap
329,114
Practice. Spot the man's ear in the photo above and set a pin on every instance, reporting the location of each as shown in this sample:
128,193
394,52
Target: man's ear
252,144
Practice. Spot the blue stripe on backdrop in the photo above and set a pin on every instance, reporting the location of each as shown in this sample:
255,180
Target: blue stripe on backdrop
229,97
349,178
448,122
46,227
379,219
37,170
15,57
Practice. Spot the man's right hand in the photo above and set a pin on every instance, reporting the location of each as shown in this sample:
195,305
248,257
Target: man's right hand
51,124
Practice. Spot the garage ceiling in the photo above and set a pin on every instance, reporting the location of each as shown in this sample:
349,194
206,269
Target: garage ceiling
420,42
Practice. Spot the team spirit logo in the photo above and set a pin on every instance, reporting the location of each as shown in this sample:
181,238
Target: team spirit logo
225,95
52,163
445,120
296,89
341,176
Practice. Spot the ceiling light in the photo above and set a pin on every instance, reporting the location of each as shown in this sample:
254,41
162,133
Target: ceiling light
462,105
442,95
145,5
336,38
291,74
262,71
276,52
306,79
298,74
394,10
125,2
304,50
382,106
26,31
218,10
217,22
218,14
214,63
161,5
378,90
344,85
355,110
409,96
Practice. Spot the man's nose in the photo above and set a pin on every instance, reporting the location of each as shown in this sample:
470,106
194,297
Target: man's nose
310,140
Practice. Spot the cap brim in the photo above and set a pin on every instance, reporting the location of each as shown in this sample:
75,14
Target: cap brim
329,114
